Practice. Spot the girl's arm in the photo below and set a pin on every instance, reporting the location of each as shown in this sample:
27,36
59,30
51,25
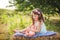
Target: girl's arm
27,28
37,29
17,30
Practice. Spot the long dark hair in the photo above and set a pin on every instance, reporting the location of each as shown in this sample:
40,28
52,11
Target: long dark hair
38,12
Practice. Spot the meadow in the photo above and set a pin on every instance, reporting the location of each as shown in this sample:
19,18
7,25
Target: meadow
10,20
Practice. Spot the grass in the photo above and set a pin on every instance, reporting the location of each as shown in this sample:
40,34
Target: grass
54,24
22,21
8,23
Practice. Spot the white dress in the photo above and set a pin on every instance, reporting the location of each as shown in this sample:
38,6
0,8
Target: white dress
42,28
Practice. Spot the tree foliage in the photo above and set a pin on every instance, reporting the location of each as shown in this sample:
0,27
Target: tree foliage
47,6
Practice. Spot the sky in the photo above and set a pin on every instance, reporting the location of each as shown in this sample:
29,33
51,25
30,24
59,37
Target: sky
4,3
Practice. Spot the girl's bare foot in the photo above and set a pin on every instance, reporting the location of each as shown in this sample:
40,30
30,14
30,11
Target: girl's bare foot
31,33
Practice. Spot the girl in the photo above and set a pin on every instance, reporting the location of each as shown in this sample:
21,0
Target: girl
37,26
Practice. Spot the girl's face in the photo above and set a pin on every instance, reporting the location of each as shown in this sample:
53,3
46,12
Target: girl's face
35,16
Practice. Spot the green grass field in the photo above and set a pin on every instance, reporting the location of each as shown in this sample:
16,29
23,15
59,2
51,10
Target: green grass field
8,23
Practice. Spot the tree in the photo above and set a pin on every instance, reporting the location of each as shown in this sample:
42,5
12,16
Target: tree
47,6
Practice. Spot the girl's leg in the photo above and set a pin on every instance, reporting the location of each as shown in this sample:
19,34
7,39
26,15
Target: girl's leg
31,33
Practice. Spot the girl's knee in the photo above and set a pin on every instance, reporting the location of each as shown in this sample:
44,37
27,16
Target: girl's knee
31,33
